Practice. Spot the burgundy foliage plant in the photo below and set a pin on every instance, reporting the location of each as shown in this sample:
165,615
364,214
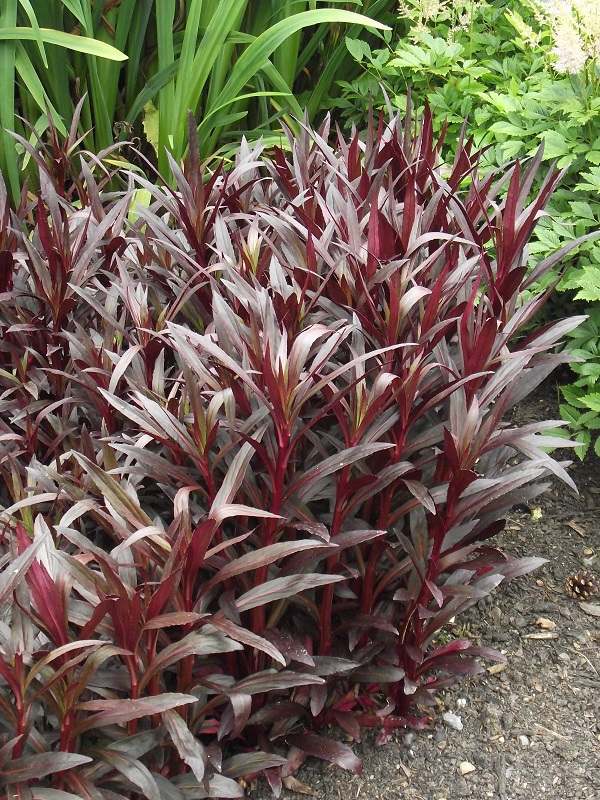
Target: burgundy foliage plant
253,452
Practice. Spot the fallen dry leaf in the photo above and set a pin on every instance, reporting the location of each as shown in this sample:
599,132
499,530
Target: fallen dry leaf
466,767
497,668
591,608
574,526
404,769
546,624
549,732
294,785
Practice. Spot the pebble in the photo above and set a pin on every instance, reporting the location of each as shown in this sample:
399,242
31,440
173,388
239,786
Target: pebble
580,636
520,622
409,738
480,760
508,719
490,720
439,736
496,615
453,720
523,741
545,608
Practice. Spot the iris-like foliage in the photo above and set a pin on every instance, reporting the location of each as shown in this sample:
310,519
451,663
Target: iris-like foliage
253,451
139,65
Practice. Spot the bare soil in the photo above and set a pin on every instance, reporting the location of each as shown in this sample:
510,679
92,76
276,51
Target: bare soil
530,729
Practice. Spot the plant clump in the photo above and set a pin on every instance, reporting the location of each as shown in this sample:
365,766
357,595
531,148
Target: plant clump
254,449
526,74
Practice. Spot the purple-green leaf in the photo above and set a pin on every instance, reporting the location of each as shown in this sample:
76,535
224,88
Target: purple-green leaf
188,746
116,712
279,588
39,765
326,749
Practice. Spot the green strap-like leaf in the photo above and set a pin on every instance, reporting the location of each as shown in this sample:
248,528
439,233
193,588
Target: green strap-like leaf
26,4
8,157
70,41
255,56
35,87
197,62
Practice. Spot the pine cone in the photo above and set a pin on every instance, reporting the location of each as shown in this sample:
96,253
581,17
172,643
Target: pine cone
581,585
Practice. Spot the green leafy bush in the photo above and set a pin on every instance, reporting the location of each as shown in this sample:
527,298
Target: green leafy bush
252,453
140,65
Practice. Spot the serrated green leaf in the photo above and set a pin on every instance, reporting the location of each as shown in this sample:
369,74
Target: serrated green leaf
573,396
592,401
591,181
582,209
358,49
591,422
569,414
584,438
589,284
507,129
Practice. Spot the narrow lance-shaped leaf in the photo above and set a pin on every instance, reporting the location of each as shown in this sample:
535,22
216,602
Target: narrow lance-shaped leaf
189,748
262,48
194,644
114,712
134,770
260,558
38,766
279,588
305,483
16,569
326,749
241,634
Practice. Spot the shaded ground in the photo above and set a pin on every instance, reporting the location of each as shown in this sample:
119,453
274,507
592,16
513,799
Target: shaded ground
530,729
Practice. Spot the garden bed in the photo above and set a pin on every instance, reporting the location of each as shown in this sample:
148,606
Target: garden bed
531,729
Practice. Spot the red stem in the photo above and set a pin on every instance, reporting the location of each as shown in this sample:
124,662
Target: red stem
258,615
327,599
